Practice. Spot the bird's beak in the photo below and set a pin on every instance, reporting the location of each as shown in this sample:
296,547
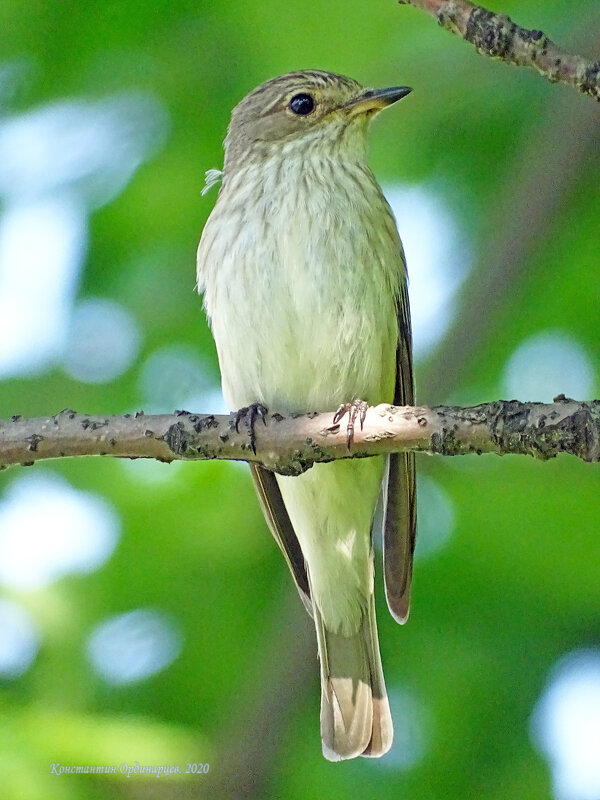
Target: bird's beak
372,100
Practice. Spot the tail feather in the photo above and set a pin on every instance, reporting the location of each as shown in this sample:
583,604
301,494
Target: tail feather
355,714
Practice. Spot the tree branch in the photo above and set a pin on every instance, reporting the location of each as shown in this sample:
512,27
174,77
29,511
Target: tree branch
496,35
290,445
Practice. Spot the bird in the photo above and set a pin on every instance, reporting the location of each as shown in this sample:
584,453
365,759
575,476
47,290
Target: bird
305,288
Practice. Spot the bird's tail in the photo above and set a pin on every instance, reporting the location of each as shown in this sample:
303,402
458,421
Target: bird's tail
355,714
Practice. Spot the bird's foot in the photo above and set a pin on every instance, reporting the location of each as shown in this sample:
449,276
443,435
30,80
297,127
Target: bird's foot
357,409
248,415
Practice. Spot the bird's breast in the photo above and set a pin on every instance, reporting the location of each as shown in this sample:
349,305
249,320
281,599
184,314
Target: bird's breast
301,276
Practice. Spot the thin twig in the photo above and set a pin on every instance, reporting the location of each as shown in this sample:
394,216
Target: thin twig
496,35
290,445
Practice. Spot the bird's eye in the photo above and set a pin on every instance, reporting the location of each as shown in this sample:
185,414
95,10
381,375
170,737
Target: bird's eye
302,104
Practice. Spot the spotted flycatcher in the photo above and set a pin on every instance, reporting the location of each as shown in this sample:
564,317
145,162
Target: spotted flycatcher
304,283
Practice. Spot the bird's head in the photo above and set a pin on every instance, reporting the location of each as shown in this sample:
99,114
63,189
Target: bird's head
304,109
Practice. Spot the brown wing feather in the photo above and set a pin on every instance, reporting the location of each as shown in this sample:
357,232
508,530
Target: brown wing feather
282,529
400,517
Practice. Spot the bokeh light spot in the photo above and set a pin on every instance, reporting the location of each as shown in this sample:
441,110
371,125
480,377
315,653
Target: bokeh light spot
175,377
547,364
18,640
42,244
565,726
133,646
102,342
48,530
412,730
91,148
58,163
438,259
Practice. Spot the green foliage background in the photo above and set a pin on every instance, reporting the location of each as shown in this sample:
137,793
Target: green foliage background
517,585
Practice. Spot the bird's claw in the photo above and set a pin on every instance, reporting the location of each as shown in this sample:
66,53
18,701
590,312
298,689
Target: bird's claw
356,409
249,415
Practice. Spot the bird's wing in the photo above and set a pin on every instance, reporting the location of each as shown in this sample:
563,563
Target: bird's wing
400,517
282,529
